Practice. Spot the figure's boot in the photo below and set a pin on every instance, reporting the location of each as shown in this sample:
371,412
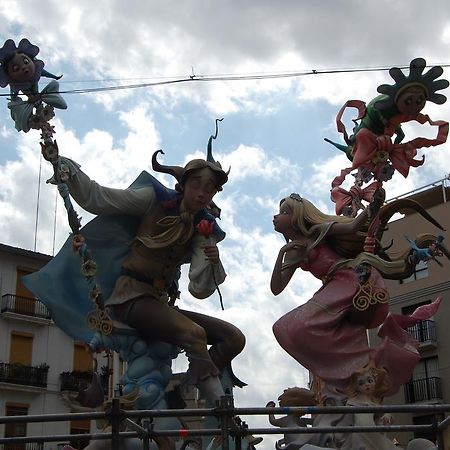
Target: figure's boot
229,380
211,389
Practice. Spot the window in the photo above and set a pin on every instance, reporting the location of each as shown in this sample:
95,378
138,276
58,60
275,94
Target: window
82,358
21,348
421,271
425,383
423,331
79,427
427,368
15,429
25,301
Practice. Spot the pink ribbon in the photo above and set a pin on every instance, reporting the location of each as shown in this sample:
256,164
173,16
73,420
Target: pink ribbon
372,151
353,197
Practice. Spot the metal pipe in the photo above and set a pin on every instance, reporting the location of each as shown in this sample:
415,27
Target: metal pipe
444,424
235,411
227,412
218,431
116,419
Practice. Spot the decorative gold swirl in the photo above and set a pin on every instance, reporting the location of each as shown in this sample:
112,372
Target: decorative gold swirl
99,320
369,295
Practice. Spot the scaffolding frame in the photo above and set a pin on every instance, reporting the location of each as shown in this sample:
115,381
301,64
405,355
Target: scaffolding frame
224,412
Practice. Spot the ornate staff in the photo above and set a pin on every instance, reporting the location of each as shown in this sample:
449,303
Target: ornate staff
21,70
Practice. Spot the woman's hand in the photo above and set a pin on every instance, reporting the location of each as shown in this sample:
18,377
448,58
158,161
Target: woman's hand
290,256
291,246
297,253
385,419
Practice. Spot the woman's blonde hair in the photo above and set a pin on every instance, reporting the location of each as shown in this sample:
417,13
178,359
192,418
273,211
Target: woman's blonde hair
396,265
305,215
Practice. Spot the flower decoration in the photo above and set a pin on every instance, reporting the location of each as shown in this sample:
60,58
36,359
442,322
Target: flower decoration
386,172
35,122
77,242
47,131
7,53
50,151
205,228
48,113
89,268
94,293
363,176
380,157
427,81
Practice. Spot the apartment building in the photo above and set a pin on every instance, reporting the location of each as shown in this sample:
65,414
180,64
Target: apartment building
38,362
430,382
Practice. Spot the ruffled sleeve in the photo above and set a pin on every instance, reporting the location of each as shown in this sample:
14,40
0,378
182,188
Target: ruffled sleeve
202,273
98,199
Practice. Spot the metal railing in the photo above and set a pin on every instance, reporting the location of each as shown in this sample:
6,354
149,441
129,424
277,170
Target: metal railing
24,305
77,380
443,183
423,389
118,417
27,446
22,374
424,331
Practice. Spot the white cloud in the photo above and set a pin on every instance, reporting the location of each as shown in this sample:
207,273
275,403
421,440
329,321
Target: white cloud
253,162
135,42
148,40
105,161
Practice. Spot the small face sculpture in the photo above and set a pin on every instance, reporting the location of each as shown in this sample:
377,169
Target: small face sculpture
366,383
20,68
199,189
411,101
283,220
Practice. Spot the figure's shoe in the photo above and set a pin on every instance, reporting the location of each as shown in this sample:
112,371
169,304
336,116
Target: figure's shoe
254,440
229,378
211,389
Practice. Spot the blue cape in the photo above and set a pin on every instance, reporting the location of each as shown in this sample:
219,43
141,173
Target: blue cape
60,284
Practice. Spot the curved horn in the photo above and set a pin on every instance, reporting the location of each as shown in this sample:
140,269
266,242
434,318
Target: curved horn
390,209
175,171
209,156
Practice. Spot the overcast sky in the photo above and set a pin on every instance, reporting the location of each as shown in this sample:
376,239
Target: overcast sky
271,136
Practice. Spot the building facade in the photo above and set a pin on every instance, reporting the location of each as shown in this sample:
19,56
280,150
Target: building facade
39,363
430,382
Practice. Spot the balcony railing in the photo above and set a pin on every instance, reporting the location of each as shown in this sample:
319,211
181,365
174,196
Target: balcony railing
75,380
25,306
27,446
25,375
79,380
423,389
424,331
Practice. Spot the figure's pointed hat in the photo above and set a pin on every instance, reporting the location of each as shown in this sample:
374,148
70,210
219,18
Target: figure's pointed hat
181,173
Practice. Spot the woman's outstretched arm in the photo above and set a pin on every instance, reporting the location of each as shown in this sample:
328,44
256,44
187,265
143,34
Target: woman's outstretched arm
351,227
359,221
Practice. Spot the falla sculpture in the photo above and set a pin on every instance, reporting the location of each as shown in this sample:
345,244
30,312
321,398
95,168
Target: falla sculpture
327,334
124,299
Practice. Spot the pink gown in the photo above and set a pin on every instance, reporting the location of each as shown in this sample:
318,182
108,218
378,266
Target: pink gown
328,335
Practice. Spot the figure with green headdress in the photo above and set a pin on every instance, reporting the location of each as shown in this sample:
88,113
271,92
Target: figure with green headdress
377,147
